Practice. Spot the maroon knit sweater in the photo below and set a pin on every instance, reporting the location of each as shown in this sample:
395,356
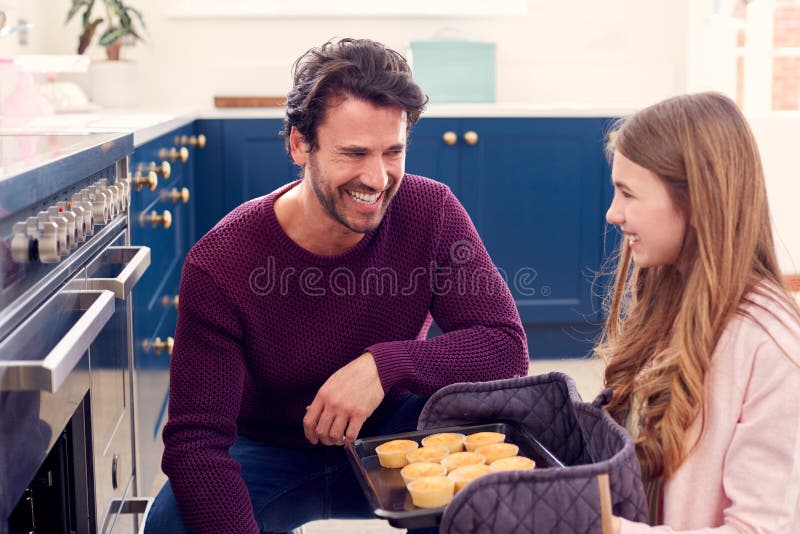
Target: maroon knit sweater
263,323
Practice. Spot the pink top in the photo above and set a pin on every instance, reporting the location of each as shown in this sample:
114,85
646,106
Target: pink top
744,475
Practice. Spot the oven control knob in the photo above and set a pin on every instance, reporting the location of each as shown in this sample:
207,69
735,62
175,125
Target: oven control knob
125,192
23,246
76,212
61,231
116,200
108,201
81,201
57,212
100,208
48,243
111,197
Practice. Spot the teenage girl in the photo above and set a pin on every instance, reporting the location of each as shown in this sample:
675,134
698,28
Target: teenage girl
702,340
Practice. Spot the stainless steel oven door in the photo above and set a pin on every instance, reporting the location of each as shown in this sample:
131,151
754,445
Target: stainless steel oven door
44,378
116,268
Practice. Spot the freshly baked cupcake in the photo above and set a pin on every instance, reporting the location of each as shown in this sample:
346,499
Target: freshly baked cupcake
431,492
466,474
495,451
460,459
421,469
512,463
393,453
432,453
479,439
452,440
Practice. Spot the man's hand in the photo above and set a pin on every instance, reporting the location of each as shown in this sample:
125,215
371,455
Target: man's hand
344,402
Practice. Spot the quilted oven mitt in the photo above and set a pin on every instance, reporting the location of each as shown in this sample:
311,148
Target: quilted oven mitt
602,474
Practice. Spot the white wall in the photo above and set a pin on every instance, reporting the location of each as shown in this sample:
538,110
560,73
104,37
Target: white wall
616,52
778,140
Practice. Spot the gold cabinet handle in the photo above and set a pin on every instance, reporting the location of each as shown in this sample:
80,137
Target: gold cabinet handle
155,219
471,137
450,138
157,345
175,195
165,169
195,140
168,301
174,154
151,180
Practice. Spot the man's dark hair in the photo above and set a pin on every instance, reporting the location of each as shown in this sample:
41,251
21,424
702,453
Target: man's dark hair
360,68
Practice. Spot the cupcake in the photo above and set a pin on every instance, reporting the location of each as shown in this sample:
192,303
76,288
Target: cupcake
393,453
466,474
479,439
433,453
421,469
495,451
460,459
431,492
512,463
452,440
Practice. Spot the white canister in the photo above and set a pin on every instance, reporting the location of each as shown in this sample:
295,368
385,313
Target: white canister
114,83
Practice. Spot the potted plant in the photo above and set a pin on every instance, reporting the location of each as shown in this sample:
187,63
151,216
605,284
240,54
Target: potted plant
119,28
113,82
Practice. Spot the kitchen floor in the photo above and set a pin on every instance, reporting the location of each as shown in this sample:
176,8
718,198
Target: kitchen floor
588,375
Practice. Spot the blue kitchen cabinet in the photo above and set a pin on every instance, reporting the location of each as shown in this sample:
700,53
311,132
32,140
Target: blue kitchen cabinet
244,159
257,162
155,297
536,190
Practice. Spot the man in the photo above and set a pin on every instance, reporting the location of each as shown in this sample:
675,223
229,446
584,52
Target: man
304,313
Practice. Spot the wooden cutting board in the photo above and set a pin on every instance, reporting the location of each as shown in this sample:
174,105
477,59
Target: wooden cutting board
249,101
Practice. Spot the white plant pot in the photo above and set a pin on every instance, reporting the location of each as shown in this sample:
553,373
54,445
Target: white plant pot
114,83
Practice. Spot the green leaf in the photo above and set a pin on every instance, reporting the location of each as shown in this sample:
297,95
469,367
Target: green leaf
76,6
111,35
138,16
87,15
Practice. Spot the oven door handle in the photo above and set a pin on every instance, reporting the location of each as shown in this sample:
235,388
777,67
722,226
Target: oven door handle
48,373
136,260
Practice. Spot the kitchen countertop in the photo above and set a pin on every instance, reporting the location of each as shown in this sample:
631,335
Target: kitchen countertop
34,165
148,123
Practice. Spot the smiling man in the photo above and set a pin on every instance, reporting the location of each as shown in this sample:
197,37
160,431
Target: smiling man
304,314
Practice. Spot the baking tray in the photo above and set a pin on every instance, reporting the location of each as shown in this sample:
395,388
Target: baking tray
385,490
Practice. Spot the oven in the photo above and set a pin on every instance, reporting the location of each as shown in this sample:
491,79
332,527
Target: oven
67,270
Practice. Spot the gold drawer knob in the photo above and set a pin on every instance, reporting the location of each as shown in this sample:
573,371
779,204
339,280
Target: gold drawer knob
157,345
450,138
165,169
175,195
471,137
168,301
151,181
174,154
198,141
155,219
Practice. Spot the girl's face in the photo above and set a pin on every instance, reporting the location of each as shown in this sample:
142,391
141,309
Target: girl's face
653,225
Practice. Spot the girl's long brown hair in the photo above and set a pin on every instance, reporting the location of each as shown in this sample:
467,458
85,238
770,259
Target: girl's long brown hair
664,322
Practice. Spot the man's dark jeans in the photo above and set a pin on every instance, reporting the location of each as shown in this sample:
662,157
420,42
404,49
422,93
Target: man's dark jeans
290,487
